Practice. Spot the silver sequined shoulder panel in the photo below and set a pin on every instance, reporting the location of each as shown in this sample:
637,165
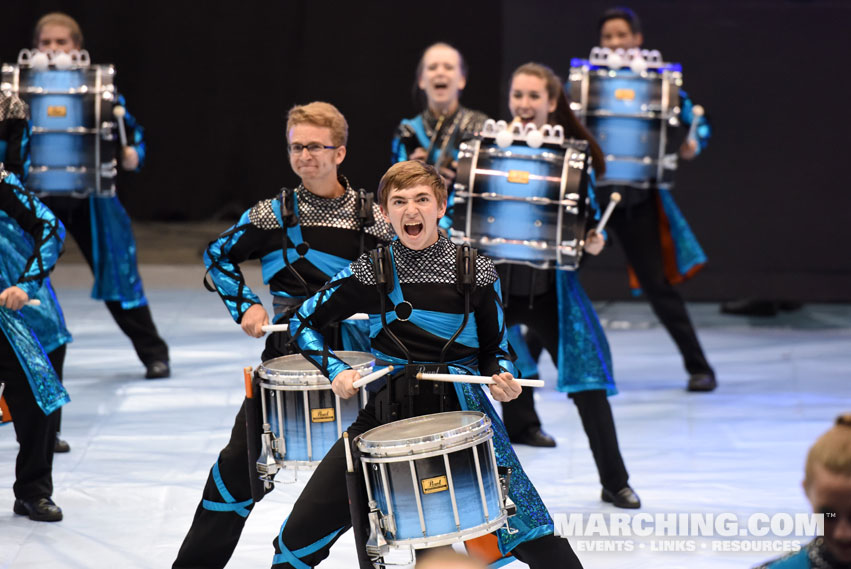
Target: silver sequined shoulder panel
11,107
362,270
263,216
485,271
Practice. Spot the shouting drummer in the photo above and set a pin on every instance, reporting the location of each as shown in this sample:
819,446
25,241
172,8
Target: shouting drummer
101,227
439,307
302,237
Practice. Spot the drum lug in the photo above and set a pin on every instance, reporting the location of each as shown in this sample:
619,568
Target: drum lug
376,545
266,465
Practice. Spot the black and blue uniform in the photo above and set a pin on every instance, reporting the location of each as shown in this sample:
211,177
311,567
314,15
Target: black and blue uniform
30,243
14,135
814,555
413,321
301,240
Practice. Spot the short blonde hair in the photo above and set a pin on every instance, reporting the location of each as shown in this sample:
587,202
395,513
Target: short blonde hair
832,451
409,174
59,19
319,113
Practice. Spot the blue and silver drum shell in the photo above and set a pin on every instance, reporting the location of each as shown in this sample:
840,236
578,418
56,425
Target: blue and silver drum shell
628,114
523,205
433,478
73,142
305,417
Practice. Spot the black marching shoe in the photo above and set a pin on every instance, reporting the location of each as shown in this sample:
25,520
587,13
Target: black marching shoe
623,498
38,509
702,382
534,437
61,446
157,370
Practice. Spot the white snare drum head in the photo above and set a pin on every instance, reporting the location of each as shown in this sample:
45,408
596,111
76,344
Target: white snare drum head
424,434
296,370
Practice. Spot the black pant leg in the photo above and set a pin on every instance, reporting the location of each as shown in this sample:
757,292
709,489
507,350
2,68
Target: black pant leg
547,552
35,431
136,323
599,425
214,534
637,230
520,415
57,358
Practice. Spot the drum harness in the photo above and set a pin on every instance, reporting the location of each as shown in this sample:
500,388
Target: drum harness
387,407
289,219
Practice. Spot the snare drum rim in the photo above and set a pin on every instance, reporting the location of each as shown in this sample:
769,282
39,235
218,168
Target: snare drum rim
280,378
449,538
440,443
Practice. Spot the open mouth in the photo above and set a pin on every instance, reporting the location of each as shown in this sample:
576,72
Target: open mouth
441,86
413,229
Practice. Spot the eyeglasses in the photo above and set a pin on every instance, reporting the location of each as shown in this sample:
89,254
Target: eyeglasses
313,148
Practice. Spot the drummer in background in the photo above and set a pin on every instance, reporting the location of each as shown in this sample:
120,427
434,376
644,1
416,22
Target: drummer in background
30,243
638,226
553,304
433,137
423,269
330,226
101,227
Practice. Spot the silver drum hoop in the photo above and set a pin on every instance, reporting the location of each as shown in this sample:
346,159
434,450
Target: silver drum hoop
470,429
297,372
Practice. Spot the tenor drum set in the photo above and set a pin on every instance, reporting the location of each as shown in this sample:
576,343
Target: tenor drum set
73,106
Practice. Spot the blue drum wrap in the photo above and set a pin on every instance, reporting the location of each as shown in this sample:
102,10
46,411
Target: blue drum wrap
304,431
437,503
628,113
54,111
528,174
322,406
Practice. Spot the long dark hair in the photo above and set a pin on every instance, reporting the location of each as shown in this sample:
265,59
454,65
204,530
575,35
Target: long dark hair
562,114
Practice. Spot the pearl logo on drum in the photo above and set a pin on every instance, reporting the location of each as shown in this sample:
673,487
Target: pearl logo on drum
434,485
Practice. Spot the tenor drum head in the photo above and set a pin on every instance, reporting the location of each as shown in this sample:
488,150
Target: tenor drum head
296,370
425,434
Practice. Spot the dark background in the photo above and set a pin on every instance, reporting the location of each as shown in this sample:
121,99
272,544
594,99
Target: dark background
212,82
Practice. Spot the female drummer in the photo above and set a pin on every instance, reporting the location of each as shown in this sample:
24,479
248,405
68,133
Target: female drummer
575,338
101,227
433,137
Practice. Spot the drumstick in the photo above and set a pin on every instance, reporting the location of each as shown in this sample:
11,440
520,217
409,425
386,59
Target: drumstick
372,377
614,199
33,302
285,327
119,112
479,379
350,465
697,112
249,385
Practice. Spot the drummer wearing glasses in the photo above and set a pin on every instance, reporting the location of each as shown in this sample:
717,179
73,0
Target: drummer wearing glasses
440,309
301,237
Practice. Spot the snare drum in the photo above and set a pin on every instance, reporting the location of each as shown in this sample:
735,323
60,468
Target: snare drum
628,110
73,149
523,205
302,417
433,479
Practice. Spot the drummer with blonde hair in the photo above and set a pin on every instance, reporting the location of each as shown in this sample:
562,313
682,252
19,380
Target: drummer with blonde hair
433,306
302,237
